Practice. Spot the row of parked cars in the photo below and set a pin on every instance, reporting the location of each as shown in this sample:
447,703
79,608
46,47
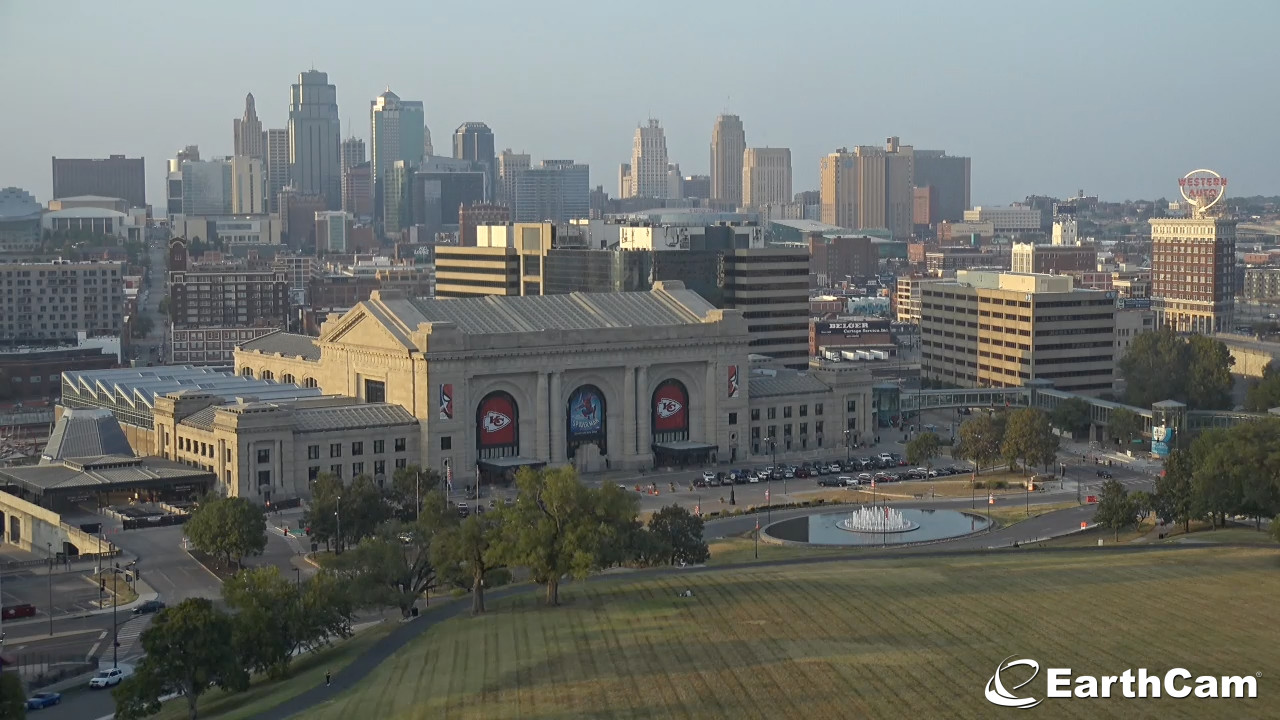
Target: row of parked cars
867,478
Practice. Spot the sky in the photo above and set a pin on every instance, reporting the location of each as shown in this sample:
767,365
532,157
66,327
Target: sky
1116,98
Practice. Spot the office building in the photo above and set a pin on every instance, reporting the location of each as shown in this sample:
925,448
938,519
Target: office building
352,153
473,141
439,195
907,297
229,294
206,187
842,259
1053,259
646,175
1261,283
116,176
510,164
1193,265
229,229
427,148
470,217
869,188
190,152
991,329
558,191
19,221
396,136
728,143
314,165
925,211
1007,220
697,187
60,300
297,217
1130,323
275,142
333,230
948,177
477,271
357,190
248,186
962,257
247,140
766,177
397,195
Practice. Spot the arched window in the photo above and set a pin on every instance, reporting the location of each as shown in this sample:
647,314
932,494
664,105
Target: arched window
286,378
268,375
309,382
246,372
497,426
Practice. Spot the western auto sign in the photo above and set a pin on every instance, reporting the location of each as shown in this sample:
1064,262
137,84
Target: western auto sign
1203,189
670,407
496,421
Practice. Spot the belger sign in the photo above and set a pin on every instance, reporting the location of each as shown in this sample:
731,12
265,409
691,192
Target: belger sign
1203,189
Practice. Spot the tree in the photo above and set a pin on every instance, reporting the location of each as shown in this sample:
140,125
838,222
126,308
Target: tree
1028,438
395,567
1275,528
227,527
275,617
13,699
1125,425
1265,393
359,509
979,441
1219,465
470,548
1209,380
679,533
559,527
187,651
1115,508
1072,416
1173,490
923,448
408,486
1154,368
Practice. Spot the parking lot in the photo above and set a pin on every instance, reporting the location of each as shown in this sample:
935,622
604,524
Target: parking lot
71,591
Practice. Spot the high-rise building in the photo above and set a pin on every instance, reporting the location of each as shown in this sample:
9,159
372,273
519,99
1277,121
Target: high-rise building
646,176
728,143
248,186
558,191
439,194
427,148
509,165
1007,220
314,166
1053,259
949,176
869,188
675,182
352,153
1050,331
357,190
275,142
475,215
247,132
697,187
206,187
836,259
397,197
333,230
1193,265
766,176
396,132
116,176
474,141
61,299
190,152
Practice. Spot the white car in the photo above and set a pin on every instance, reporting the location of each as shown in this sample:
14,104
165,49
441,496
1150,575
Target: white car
708,476
106,678
833,467
846,481
753,477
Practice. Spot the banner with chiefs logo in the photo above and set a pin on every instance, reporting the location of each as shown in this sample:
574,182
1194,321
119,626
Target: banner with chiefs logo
496,420
670,407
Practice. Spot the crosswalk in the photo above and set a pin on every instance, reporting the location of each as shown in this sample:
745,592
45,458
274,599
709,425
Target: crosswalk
127,634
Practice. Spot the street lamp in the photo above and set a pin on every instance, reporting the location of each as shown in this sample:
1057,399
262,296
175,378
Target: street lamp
337,513
848,451
49,547
115,627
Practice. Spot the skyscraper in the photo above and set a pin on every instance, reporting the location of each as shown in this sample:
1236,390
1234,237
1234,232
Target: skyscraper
510,164
949,176
869,188
275,143
558,191
474,141
396,134
352,152
647,173
728,142
248,185
248,139
837,183
314,166
116,176
206,187
766,176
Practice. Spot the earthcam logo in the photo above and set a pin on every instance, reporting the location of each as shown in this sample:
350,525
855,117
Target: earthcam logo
1061,683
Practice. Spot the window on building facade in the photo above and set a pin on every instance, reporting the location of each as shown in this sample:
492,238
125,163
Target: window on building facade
772,413
264,478
755,414
852,406
446,443
357,469
264,456
357,448
804,411
400,444
313,452
733,418
375,391
313,472
786,411
335,450
379,468
379,447
336,471
401,463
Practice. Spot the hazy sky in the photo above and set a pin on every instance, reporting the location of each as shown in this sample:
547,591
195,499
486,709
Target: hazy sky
1116,97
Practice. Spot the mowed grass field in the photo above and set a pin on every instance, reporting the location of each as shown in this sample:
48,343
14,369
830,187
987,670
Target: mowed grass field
895,638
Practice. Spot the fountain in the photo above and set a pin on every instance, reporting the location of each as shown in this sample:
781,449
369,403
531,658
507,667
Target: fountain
877,520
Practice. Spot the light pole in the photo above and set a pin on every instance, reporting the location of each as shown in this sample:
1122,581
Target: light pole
49,547
337,513
848,451
1029,482
115,627
417,495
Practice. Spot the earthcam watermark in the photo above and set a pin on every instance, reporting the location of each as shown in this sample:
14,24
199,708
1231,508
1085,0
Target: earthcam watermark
1140,683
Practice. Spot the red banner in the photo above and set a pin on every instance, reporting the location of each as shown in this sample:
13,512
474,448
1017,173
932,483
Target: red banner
496,421
670,407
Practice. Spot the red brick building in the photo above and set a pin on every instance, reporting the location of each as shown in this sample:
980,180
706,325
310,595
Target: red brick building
834,259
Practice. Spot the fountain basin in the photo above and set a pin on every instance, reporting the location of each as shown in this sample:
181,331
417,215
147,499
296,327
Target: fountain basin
831,528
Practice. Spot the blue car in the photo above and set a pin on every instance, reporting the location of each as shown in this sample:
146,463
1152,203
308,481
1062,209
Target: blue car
43,700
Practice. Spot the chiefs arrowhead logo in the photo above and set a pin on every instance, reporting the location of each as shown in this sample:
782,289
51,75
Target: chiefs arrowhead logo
493,421
668,407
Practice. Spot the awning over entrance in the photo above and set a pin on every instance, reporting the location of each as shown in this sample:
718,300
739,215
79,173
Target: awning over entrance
683,446
682,452
509,463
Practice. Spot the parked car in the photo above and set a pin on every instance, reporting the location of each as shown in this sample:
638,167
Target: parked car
829,481
708,477
864,478
106,678
753,476
833,467
150,606
18,611
1105,475
464,510
42,700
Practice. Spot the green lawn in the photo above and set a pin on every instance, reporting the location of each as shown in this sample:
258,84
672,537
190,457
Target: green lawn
306,672
901,637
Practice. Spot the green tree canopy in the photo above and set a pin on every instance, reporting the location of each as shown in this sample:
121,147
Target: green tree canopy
1072,416
1162,365
1173,490
469,548
229,528
275,617
679,533
358,508
923,448
1209,374
13,698
1028,438
1125,426
1265,393
188,650
979,441
1115,509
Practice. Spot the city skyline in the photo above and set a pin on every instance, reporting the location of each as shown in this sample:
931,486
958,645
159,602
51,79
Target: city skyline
1078,104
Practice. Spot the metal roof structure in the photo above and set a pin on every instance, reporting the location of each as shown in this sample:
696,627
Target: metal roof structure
351,417
85,432
774,383
102,474
287,344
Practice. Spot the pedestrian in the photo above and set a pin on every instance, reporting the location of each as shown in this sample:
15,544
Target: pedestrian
328,678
